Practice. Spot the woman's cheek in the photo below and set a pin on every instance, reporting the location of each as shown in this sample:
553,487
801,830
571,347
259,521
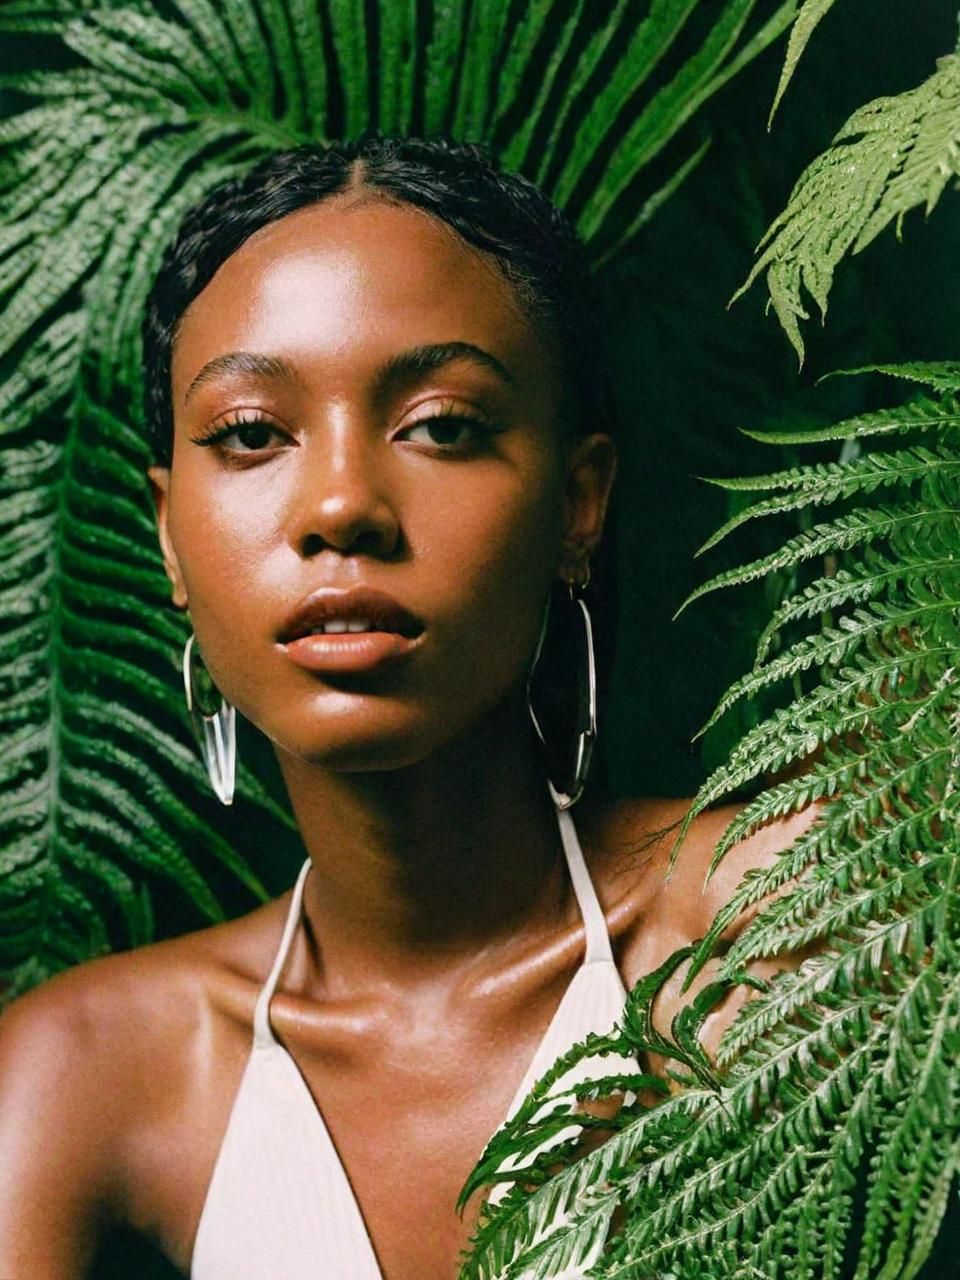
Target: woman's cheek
500,563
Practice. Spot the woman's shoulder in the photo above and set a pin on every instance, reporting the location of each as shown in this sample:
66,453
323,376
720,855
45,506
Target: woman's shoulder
108,1070
116,1008
634,839
109,1038
657,910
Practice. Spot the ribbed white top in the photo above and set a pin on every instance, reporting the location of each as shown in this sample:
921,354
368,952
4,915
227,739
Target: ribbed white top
280,1205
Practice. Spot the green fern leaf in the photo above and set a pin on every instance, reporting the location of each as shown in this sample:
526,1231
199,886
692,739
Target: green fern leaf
808,19
398,46
669,109
844,1070
891,156
939,375
860,528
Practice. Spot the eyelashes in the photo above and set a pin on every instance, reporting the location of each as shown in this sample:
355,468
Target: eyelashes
246,422
446,432
451,431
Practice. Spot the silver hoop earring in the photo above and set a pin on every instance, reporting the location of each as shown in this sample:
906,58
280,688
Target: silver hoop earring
587,731
213,724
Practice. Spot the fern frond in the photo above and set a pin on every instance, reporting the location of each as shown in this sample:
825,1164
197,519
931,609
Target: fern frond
919,414
846,702
858,528
398,36
96,745
650,41
872,628
348,24
441,63
482,42
588,54
834,486
892,155
939,375
859,584
700,77
841,1071
839,770
807,20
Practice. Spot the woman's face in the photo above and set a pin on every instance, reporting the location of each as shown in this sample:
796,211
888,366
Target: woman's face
361,406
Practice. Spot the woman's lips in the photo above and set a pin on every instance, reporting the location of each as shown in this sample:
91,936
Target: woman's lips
349,629
349,651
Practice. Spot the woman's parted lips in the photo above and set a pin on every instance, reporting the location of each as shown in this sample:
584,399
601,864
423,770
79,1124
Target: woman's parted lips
337,610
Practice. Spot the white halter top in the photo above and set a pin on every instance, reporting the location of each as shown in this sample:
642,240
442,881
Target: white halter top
280,1205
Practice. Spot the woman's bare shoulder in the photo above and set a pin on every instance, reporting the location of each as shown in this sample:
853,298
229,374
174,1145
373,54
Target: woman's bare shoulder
90,1061
113,1010
669,908
104,1041
649,826
658,908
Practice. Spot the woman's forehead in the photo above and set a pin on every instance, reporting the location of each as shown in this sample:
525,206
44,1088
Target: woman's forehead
350,279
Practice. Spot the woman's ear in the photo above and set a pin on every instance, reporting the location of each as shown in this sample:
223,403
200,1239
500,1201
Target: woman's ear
591,468
160,486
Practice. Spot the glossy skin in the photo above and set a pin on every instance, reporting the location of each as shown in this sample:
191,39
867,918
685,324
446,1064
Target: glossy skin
432,956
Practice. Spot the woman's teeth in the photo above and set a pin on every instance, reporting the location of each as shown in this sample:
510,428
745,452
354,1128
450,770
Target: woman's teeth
338,626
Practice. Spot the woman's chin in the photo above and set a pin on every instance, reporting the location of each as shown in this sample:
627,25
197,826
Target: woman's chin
357,746
344,732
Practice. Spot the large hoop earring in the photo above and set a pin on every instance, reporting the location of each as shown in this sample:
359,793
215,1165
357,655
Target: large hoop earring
587,730
214,725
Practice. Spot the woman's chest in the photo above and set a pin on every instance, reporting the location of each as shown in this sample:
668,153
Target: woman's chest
350,1161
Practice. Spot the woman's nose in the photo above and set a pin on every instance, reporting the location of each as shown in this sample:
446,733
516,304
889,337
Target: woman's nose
342,500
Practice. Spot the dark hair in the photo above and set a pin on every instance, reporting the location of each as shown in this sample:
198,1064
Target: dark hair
501,213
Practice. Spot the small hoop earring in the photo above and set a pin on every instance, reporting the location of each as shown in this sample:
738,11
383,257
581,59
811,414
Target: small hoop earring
214,725
587,734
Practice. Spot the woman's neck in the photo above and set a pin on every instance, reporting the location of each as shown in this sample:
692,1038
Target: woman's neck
417,868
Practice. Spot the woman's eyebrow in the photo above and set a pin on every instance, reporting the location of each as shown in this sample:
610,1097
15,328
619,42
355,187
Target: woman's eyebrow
251,363
429,356
400,368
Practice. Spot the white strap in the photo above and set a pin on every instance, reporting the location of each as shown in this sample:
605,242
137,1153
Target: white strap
262,1031
594,921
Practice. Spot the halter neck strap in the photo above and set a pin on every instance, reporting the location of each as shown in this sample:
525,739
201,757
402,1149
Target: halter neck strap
594,921
595,926
262,1031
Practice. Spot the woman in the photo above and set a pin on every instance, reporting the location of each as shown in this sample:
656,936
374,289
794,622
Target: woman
382,446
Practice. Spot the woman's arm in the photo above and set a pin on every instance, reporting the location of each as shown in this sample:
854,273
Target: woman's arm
58,1118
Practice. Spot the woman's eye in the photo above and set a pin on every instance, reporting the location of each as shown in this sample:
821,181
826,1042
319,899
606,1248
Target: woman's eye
449,431
253,433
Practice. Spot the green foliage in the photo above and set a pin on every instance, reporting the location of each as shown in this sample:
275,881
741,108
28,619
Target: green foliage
846,1067
808,19
92,747
149,107
892,155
